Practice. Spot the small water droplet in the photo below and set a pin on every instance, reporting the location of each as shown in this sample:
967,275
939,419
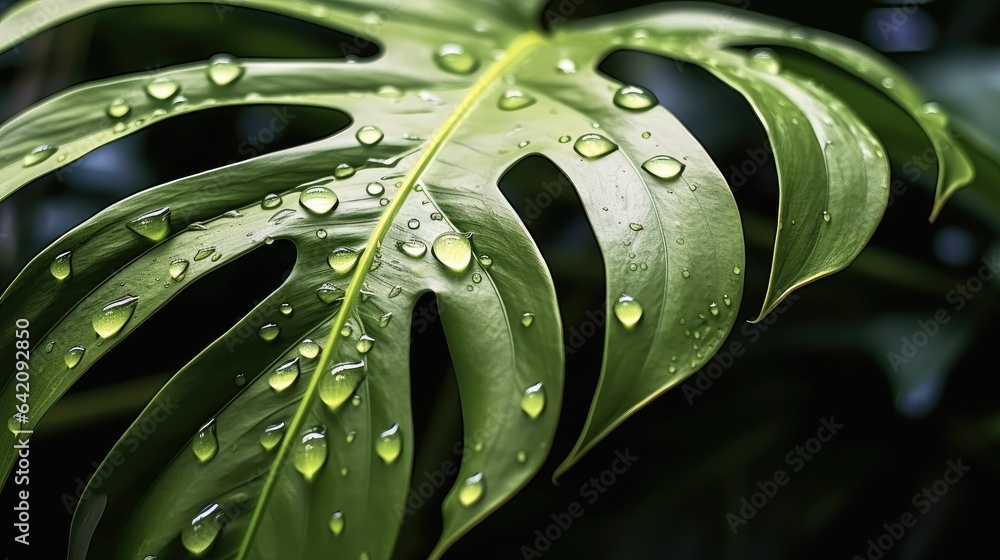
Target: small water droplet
113,316
284,375
309,349
269,332
533,400
395,291
647,135
564,139
347,330
201,534
936,113
714,309
62,266
50,346
350,436
271,436
628,311
240,379
154,226
270,201
319,200
356,400
309,455
413,248
328,293
736,270
118,108
413,224
672,369
477,278
472,489
286,309
340,383
635,98
454,251
664,167
369,135
524,144
566,66
527,319
727,300
636,227
764,60
826,216
888,82
594,146
383,202
337,523
163,88
73,356
485,261
514,99
364,344
224,69
343,260
437,216
389,444
344,171
375,189
205,444
522,457
384,320
455,59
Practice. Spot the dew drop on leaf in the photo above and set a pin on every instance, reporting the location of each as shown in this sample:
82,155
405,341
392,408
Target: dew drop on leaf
413,224
647,135
113,316
375,189
564,139
764,60
118,108
727,300
594,146
395,291
714,309
533,400
384,320
527,319
286,309
628,311
826,216
178,268
454,251
270,201
454,58
356,400
340,383
154,226
566,66
321,234
337,523
319,200
522,457
50,346
636,227
342,260
240,379
62,266
369,135
514,99
224,69
309,455
664,167
271,436
344,171
73,356
284,375
346,330
328,293
199,536
205,444
486,261
309,349
736,270
269,332
472,489
635,98
364,344
162,89
389,444
477,278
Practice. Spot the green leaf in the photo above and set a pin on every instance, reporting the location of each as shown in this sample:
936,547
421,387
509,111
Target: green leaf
291,435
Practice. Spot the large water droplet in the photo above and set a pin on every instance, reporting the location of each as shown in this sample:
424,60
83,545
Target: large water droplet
38,155
328,293
369,135
224,69
364,344
309,349
178,268
205,444
533,400
154,226
269,332
73,356
163,88
635,98
514,99
119,108
113,316
594,146
664,167
271,436
319,200
764,60
454,251
472,489
285,374
342,260
337,386
628,311
62,266
199,536
389,444
337,523
455,59
310,453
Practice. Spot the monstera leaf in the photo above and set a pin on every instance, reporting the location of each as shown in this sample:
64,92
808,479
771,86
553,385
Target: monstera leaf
293,433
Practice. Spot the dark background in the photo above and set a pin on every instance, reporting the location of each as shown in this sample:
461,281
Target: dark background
699,454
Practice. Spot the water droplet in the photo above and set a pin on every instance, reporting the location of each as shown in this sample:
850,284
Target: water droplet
350,436
736,270
364,344
62,266
120,127
328,293
594,146
240,379
199,536
375,189
888,82
205,444
224,69
437,216
727,300
564,139
270,201
356,400
337,523
533,400
50,346
395,291
344,171
271,436
455,59
383,202
764,60
566,66
178,268
413,248
647,135
369,135
454,251
413,224
514,99
826,216
636,227
310,453
346,330
524,144
477,278
342,260
485,261
113,316
203,254
286,309
154,226
73,356
319,200
472,489
118,108
714,309
936,113
664,167
628,311
383,321
340,383
522,457
389,444
163,88
269,332
321,233
527,319
635,98
285,374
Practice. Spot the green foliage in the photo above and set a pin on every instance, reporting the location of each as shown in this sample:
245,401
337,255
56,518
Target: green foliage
311,455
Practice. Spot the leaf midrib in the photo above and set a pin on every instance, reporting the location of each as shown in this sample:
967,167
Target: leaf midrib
514,52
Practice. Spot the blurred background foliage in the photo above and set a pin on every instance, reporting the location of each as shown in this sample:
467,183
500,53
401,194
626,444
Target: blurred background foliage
699,452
